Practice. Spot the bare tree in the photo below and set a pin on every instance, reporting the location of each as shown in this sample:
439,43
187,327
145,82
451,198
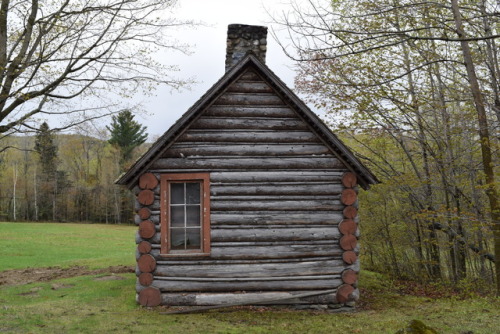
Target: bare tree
52,52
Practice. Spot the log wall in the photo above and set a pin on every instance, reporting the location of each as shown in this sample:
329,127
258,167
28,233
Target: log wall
278,196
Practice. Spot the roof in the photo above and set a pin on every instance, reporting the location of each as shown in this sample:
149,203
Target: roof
342,152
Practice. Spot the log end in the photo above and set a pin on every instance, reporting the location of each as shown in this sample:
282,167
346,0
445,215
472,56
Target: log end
146,197
146,279
349,276
147,229
150,297
349,257
348,242
344,293
148,181
348,196
146,263
347,226
144,247
350,212
144,213
349,180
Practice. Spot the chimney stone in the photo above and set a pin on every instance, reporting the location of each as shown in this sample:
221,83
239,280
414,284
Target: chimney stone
242,39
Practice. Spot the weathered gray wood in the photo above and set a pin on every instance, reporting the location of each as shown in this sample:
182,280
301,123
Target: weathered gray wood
247,279
175,285
254,123
279,197
250,111
298,205
276,202
209,164
269,252
249,136
308,268
326,242
249,87
268,218
274,234
249,99
276,189
210,261
250,75
281,176
250,298
231,150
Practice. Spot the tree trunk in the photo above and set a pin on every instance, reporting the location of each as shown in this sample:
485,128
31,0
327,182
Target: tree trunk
484,137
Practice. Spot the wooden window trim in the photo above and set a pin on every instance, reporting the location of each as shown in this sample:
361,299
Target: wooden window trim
164,221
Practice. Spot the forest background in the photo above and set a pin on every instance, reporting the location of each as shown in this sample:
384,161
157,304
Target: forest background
412,87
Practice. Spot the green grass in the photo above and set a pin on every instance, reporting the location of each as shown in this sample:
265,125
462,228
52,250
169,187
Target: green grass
87,305
24,245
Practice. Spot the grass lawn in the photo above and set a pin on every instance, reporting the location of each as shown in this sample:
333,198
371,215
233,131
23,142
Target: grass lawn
105,303
24,245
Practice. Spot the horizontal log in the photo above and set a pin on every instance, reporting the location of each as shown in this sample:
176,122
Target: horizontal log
260,243
269,252
209,164
249,99
274,234
249,87
246,136
232,233
247,279
276,189
254,123
211,261
231,150
250,111
269,218
281,176
250,75
279,298
174,285
285,269
275,205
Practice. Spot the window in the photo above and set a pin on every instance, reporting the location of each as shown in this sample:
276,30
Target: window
185,214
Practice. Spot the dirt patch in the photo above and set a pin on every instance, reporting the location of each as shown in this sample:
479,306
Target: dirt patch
32,275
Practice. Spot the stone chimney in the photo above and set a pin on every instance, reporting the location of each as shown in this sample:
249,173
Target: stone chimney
242,39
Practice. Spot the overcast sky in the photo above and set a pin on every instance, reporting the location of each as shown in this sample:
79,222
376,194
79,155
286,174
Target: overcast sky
206,64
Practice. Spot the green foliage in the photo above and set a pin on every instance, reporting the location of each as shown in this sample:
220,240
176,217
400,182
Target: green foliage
386,74
126,133
46,149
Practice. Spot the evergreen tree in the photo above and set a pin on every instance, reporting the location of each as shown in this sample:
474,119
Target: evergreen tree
126,133
52,181
46,149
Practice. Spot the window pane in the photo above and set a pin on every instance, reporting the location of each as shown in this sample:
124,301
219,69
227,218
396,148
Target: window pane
177,193
177,216
177,238
193,193
193,215
193,239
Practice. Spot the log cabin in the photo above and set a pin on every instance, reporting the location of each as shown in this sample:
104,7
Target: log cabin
248,198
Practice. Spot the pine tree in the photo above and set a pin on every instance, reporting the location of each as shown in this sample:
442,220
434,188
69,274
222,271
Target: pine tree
52,181
126,133
46,149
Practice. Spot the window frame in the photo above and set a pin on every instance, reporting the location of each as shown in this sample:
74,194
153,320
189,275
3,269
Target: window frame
165,180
